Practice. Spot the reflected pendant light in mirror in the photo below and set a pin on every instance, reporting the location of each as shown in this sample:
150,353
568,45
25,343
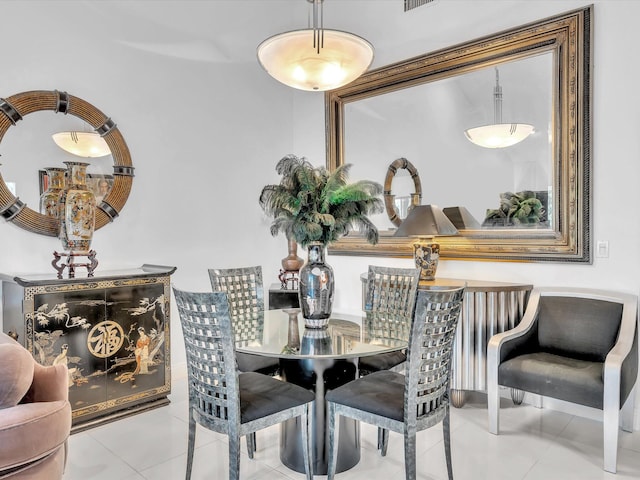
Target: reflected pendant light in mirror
498,135
82,144
315,59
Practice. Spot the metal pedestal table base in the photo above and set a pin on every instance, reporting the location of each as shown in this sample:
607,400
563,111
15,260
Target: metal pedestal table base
319,375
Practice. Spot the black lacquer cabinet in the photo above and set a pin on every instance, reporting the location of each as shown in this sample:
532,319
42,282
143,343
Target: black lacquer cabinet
111,330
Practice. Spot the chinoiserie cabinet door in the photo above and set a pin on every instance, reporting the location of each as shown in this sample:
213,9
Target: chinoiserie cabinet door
138,365
70,327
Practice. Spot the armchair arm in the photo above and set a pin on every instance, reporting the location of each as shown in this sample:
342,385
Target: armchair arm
502,345
50,383
31,431
621,363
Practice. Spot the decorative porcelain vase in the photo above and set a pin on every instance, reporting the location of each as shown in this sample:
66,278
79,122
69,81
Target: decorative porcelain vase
77,210
50,198
315,289
426,257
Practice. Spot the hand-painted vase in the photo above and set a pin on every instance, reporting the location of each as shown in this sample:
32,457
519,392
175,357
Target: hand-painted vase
77,210
50,198
315,289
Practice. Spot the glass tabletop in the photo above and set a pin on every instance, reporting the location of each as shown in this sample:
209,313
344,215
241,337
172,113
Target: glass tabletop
281,333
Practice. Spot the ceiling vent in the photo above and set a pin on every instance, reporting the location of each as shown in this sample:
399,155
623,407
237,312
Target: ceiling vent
411,4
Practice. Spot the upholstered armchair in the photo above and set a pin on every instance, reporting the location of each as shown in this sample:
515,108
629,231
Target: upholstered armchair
575,345
35,415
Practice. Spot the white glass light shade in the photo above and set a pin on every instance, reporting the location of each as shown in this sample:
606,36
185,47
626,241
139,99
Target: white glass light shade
82,144
292,59
500,135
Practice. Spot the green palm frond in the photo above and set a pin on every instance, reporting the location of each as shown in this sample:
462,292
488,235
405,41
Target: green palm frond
312,204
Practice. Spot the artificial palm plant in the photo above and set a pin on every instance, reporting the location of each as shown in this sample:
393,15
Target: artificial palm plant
311,204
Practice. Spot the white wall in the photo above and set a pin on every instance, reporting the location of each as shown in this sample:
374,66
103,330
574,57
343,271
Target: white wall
205,134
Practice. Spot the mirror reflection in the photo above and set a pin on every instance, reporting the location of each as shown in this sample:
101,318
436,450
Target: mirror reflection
502,188
528,202
28,149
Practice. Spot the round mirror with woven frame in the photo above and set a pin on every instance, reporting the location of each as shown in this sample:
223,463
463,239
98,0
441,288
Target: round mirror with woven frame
15,107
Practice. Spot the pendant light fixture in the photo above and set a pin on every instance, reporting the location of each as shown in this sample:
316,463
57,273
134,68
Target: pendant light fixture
82,144
316,58
499,135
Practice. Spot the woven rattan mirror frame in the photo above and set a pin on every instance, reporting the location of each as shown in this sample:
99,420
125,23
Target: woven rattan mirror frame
15,107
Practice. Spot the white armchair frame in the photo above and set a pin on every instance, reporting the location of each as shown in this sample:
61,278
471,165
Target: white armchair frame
614,414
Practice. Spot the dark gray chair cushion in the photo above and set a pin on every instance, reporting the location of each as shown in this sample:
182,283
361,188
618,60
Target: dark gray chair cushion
262,395
381,361
381,393
578,327
570,379
248,362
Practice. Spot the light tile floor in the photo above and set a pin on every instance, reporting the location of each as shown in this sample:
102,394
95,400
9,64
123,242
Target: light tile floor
534,444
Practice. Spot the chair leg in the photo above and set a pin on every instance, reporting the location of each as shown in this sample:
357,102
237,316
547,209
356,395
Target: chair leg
385,442
251,444
234,457
611,424
446,432
493,402
306,444
410,455
627,412
333,442
191,444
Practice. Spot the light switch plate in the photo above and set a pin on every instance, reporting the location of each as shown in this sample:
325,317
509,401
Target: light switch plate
602,249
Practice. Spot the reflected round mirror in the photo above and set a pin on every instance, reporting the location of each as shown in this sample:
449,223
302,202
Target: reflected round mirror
399,198
21,186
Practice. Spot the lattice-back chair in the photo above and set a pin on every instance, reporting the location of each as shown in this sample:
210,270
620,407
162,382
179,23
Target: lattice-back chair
222,399
417,400
390,292
245,293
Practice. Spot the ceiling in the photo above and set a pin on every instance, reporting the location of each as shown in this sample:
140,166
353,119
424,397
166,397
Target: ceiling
230,30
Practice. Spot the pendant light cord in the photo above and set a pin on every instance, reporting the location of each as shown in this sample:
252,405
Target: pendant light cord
318,24
497,101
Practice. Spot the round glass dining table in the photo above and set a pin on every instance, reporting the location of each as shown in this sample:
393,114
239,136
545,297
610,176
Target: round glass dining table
320,360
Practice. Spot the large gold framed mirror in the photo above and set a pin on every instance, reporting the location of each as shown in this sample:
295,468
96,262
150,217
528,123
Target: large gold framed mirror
14,108
420,109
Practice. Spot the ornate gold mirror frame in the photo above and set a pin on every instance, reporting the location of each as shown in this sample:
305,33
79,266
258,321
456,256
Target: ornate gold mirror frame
14,108
568,38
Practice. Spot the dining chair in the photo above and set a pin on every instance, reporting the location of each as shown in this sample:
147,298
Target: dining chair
223,399
245,293
412,402
576,345
389,291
